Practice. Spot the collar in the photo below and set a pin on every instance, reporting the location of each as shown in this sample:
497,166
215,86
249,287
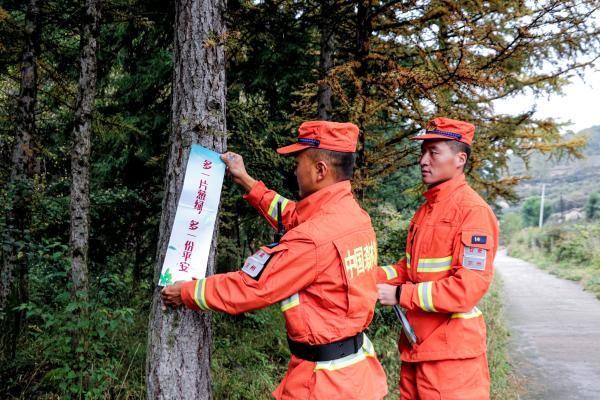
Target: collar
310,205
441,191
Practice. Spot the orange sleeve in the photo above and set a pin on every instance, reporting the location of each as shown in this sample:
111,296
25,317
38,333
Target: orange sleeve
472,269
395,274
292,267
265,201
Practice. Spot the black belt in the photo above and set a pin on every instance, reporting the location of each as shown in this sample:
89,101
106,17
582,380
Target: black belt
326,352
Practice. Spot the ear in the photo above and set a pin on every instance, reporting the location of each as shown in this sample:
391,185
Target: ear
322,170
460,160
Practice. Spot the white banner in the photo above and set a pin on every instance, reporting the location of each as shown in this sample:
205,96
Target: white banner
192,232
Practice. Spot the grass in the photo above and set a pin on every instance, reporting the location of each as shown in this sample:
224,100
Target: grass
587,276
504,384
570,251
250,352
250,356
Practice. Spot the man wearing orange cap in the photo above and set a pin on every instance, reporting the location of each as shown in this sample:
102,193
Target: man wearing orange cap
450,248
322,272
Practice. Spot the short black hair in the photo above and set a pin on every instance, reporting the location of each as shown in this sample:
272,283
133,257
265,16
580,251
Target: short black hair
460,147
341,162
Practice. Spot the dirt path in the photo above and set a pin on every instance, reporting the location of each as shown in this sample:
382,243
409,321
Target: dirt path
555,332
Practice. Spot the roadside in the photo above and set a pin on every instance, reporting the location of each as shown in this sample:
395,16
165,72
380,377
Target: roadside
569,251
554,329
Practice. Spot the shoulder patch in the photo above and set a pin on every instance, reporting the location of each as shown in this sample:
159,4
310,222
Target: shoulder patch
255,264
478,239
474,258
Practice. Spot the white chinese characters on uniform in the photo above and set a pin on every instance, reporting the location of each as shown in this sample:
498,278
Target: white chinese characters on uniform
361,259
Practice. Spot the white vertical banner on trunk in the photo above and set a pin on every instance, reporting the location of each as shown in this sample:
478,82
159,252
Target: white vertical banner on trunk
192,232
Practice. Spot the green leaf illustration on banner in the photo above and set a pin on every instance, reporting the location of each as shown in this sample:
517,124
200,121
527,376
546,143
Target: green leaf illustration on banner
166,278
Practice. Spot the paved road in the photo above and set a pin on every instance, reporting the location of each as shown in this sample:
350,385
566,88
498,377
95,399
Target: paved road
555,338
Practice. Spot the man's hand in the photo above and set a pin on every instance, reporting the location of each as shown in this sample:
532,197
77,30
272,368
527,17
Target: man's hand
171,295
235,166
387,294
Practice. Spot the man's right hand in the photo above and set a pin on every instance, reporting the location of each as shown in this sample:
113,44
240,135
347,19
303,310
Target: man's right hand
235,166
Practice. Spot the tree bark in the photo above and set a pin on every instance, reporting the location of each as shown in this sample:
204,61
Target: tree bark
327,44
179,341
22,152
14,266
364,30
80,159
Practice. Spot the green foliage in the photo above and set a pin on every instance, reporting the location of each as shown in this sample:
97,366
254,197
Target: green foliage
571,251
404,70
510,224
94,368
503,381
592,206
530,211
391,228
250,354
130,125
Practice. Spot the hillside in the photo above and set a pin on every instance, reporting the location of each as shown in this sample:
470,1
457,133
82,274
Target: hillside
573,179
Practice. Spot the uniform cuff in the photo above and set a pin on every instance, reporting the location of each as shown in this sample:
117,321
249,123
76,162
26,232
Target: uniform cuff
187,294
255,194
406,295
386,273
193,294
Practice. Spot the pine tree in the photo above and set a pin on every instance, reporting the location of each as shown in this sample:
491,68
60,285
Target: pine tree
179,341
402,63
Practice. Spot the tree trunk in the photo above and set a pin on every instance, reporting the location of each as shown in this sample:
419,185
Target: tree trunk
80,160
364,30
13,265
22,152
179,341
327,44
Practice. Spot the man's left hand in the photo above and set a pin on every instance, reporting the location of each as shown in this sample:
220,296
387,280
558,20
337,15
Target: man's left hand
387,294
171,295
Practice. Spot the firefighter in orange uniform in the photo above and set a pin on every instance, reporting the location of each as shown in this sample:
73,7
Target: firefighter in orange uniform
323,272
450,249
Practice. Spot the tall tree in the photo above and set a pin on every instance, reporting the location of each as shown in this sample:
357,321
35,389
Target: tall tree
414,59
80,160
179,341
326,27
14,263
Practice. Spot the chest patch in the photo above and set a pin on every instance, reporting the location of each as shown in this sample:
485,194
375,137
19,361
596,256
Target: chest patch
474,258
478,239
255,264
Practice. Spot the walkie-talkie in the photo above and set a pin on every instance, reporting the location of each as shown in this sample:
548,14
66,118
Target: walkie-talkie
280,228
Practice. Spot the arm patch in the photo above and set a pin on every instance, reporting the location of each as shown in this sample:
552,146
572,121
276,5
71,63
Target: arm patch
474,258
256,263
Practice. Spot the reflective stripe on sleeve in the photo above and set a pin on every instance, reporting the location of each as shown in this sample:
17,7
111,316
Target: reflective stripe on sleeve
273,206
434,264
290,302
199,294
367,350
390,271
424,289
474,313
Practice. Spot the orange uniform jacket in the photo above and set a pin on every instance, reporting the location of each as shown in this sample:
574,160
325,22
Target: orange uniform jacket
323,274
450,249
